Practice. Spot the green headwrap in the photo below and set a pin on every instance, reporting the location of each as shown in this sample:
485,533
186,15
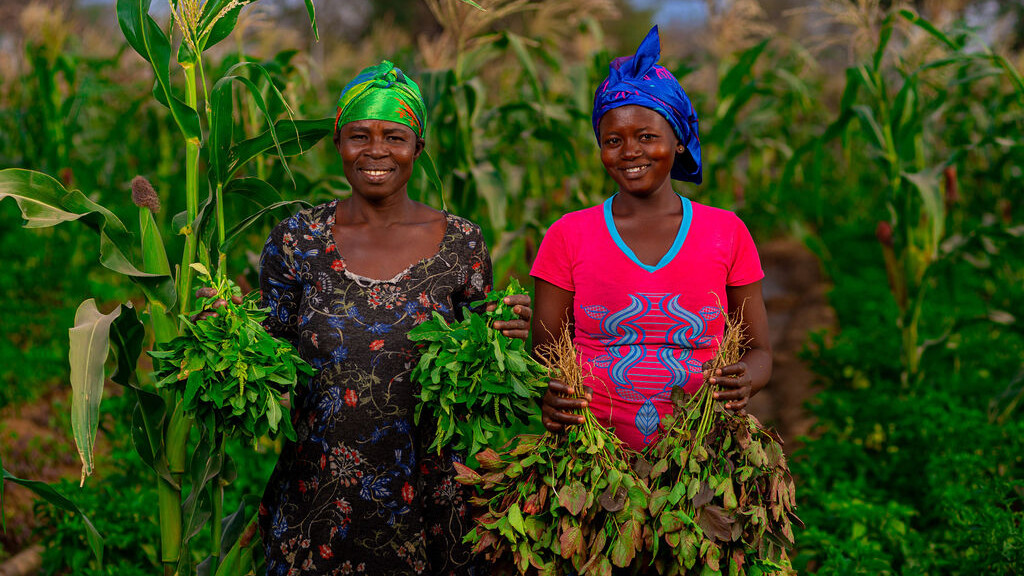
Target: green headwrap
382,92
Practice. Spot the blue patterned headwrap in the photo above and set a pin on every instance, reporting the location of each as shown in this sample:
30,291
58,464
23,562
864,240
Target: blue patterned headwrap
638,80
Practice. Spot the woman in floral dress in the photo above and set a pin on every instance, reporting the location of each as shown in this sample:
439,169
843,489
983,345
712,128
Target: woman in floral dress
345,281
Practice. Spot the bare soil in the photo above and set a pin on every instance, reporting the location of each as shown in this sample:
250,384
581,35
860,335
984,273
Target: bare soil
36,445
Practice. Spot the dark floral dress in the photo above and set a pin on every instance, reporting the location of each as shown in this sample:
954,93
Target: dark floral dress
358,492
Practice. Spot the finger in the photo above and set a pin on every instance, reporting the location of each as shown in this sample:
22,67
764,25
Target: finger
560,388
517,334
506,325
517,300
566,405
524,312
733,369
737,405
551,426
566,418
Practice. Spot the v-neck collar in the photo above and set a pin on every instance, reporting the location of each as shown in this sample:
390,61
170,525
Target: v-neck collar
684,229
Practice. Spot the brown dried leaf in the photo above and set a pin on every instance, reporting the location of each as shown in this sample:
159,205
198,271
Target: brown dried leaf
643,468
704,495
613,501
716,523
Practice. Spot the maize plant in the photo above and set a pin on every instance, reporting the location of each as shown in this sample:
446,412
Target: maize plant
205,116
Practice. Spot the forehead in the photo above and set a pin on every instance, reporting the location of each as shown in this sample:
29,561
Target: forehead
633,117
375,126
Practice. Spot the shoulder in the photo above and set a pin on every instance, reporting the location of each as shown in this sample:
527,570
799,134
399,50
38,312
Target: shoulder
312,218
715,216
462,225
579,220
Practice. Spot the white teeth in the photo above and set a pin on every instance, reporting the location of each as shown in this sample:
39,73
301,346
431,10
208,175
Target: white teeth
375,172
634,170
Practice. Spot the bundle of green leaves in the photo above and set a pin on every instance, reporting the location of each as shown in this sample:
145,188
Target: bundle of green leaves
231,373
475,381
560,503
722,496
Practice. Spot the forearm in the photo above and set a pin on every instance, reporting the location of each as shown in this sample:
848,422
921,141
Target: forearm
759,368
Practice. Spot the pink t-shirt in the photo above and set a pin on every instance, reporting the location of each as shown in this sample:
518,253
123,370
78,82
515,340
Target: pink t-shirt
644,329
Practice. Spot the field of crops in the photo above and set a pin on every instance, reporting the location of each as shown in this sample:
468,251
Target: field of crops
886,138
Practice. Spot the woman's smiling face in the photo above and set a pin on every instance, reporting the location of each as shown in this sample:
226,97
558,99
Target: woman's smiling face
377,155
638,148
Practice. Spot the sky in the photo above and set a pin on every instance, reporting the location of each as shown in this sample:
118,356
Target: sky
668,11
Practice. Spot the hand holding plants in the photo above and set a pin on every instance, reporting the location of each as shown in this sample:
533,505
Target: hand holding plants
561,406
734,384
517,326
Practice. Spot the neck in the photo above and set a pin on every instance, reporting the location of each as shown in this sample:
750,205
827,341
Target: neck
663,200
358,209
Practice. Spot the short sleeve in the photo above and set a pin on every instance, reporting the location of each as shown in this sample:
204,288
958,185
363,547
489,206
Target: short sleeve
746,264
480,275
280,289
554,258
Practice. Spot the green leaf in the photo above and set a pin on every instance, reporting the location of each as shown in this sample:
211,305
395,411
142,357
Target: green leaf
515,519
927,184
311,10
217,20
90,343
145,37
51,495
237,230
44,202
289,136
222,99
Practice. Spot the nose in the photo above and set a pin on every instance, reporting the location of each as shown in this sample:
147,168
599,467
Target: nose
377,147
631,148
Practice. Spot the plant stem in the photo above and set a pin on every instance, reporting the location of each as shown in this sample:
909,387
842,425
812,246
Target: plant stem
217,497
170,492
191,199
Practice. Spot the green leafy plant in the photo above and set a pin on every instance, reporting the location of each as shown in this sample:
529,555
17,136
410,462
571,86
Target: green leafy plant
475,381
230,373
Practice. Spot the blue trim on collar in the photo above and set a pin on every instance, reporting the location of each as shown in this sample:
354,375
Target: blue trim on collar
684,229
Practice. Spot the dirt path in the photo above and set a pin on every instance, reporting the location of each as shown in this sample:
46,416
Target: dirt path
795,296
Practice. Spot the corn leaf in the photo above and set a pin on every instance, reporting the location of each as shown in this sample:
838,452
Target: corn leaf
146,37
90,344
51,495
44,202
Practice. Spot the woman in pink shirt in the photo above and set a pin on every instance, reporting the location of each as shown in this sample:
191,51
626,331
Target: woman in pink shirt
642,278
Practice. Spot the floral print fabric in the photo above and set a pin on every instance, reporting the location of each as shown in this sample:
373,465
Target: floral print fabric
358,492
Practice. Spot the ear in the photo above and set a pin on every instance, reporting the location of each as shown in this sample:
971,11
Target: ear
337,140
420,144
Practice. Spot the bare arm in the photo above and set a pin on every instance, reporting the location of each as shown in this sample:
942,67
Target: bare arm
553,310
747,377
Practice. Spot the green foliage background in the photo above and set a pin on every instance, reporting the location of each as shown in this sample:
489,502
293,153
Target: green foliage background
907,471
